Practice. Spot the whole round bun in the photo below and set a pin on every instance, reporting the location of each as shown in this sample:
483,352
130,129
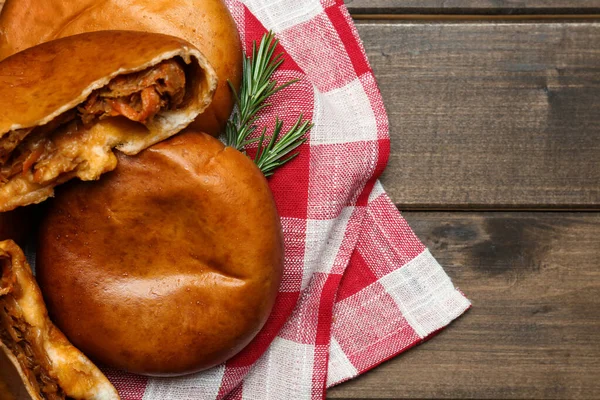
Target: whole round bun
168,265
207,24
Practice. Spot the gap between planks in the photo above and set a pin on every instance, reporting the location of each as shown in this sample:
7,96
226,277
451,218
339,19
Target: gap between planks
476,17
495,208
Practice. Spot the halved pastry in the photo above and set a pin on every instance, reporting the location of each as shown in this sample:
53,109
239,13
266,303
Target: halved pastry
207,24
49,367
65,104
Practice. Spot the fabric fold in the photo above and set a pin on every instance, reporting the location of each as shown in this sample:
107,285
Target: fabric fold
394,295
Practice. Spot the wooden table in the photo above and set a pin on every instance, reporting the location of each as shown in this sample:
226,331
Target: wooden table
494,109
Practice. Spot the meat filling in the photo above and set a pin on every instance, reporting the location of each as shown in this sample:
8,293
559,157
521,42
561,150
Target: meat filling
22,341
11,141
138,97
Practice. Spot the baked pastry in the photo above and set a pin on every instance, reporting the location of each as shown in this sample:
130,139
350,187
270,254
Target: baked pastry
66,103
207,24
168,265
35,357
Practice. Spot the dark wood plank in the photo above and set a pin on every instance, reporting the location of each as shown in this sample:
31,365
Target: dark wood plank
490,115
489,7
534,327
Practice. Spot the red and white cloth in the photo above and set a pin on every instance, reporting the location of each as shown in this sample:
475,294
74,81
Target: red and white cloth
358,287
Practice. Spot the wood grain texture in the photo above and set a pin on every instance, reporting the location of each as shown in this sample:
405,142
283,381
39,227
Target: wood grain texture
489,7
496,115
534,327
490,115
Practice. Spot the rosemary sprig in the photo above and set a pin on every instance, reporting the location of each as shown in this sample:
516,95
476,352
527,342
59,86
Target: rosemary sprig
257,86
275,153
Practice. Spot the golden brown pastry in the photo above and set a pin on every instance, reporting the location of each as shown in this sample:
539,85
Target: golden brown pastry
206,24
168,265
12,386
66,103
32,348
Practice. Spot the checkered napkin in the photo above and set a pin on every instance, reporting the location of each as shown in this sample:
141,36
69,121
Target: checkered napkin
358,287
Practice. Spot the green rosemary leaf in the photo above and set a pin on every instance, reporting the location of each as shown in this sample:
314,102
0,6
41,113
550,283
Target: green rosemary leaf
277,153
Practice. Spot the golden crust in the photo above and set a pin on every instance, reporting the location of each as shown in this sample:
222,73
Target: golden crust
168,265
12,386
75,374
42,82
206,24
